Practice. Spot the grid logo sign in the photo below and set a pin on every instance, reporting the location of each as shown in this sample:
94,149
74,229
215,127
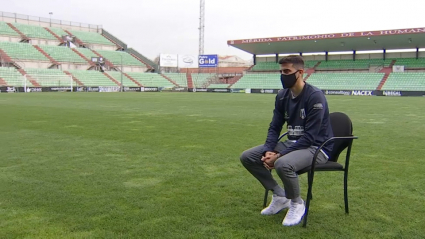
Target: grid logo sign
208,60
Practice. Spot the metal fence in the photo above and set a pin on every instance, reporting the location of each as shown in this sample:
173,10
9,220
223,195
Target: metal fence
48,20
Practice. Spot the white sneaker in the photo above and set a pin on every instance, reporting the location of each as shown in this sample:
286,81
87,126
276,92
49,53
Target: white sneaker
276,205
294,214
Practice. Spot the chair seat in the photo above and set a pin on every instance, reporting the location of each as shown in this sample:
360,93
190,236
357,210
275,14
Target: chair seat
328,166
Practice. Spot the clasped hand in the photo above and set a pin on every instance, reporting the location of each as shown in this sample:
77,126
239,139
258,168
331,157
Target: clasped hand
268,159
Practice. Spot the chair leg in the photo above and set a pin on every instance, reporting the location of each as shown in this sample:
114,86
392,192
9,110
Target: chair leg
346,191
265,198
266,195
309,197
308,180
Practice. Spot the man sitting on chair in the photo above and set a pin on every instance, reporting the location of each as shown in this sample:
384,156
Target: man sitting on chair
305,110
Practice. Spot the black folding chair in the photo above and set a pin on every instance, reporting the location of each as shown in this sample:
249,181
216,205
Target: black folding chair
343,139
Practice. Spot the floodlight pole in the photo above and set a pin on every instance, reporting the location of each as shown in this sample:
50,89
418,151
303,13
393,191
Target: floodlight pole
50,13
121,73
201,26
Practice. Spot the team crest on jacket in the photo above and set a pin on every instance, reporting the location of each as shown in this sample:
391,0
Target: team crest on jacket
302,113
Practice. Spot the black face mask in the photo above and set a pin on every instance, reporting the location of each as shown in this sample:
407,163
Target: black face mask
288,81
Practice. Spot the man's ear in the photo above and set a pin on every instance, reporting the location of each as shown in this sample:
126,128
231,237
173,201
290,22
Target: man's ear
301,71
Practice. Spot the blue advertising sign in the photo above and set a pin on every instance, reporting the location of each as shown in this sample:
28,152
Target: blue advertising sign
208,60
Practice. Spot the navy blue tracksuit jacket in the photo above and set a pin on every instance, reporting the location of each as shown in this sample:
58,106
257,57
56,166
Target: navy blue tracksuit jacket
307,119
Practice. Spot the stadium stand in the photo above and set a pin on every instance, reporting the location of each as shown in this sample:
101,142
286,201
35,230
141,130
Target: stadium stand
260,81
346,81
6,30
92,78
23,51
409,81
88,59
179,78
62,54
38,51
411,62
125,80
12,77
150,79
46,77
86,52
58,31
34,31
115,58
92,37
200,80
42,52
265,66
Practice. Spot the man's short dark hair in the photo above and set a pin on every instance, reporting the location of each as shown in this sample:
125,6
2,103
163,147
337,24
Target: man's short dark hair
296,61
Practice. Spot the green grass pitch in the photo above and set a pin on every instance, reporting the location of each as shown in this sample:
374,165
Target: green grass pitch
166,165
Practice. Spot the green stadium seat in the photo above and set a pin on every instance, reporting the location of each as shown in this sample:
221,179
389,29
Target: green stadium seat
259,81
58,31
12,77
179,78
32,31
266,66
115,58
6,30
86,52
50,77
117,76
200,80
92,78
411,62
151,79
407,81
22,51
346,81
62,54
92,37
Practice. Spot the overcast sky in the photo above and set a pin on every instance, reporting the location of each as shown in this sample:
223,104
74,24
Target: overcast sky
171,26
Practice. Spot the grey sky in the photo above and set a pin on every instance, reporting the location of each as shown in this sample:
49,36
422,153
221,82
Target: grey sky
171,26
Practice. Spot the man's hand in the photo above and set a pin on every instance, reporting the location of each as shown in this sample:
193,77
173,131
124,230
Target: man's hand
269,154
268,159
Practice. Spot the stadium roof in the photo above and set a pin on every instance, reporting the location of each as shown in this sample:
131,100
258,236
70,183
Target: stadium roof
334,42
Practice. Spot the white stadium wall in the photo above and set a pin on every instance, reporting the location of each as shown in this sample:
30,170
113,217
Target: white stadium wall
4,38
102,47
71,66
39,41
133,68
34,64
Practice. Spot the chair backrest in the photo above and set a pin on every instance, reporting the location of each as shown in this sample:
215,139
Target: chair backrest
341,126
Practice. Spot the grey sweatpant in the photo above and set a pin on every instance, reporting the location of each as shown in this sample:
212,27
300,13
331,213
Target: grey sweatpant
285,166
